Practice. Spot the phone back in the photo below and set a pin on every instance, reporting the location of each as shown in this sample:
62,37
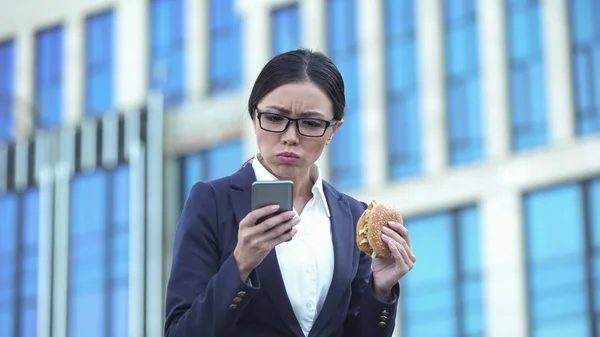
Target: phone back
277,192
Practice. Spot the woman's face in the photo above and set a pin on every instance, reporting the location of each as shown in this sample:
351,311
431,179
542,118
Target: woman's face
289,154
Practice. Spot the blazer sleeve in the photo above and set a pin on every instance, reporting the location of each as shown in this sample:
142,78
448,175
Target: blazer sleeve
204,298
367,316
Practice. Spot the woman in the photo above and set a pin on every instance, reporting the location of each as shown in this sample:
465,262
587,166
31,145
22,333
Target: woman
232,276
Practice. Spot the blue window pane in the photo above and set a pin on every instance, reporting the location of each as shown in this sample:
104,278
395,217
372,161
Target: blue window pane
285,22
346,148
429,294
119,311
404,124
224,159
225,57
167,46
585,36
29,261
471,270
99,253
117,295
49,77
465,124
87,254
7,86
444,295
594,209
215,162
529,120
99,63
8,253
193,172
556,258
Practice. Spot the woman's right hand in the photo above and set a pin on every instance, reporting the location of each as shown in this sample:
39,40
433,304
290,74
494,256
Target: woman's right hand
255,241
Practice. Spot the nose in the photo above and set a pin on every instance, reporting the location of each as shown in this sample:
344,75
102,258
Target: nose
290,136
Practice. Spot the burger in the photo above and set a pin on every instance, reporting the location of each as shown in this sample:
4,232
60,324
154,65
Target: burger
370,225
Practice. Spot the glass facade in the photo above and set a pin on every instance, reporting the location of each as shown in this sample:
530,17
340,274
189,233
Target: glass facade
49,77
99,67
563,255
463,82
168,50
99,254
7,88
528,105
585,39
285,27
225,55
346,148
402,76
215,162
19,259
444,294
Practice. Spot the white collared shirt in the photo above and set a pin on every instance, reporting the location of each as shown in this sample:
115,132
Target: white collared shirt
306,262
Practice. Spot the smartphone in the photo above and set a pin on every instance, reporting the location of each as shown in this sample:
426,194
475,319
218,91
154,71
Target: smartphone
276,192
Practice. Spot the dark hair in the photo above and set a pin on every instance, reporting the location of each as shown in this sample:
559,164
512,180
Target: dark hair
300,65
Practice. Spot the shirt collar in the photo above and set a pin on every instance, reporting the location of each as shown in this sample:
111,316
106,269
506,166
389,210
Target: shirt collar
262,173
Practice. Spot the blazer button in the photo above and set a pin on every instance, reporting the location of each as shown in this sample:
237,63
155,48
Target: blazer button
237,300
241,294
384,312
233,306
382,324
383,318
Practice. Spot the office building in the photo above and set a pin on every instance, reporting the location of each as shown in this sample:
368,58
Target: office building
479,120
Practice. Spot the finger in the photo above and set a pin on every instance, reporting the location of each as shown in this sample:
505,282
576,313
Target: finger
401,229
252,217
395,249
396,237
404,253
286,236
275,221
281,229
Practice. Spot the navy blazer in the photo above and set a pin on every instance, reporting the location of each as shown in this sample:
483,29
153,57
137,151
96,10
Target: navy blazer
207,297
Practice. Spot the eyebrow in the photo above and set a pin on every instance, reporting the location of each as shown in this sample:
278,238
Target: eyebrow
286,111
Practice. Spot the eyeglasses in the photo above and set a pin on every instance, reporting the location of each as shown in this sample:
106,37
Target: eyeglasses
308,127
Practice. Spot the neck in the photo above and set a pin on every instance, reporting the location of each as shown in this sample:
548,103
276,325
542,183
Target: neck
303,186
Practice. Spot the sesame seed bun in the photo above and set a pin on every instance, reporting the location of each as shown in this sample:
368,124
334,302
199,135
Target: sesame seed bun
369,227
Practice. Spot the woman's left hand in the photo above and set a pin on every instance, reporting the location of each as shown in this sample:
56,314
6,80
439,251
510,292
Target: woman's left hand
387,271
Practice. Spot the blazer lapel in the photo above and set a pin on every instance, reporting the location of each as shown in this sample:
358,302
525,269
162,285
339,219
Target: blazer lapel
268,271
343,242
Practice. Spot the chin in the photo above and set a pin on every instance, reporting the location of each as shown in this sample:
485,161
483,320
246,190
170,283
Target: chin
286,171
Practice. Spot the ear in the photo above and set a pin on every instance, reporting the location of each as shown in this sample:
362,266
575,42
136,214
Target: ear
333,131
255,125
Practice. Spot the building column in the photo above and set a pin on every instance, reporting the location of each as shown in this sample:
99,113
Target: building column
505,288
74,70
24,112
430,29
256,51
132,54
371,37
494,66
197,45
62,220
314,36
561,114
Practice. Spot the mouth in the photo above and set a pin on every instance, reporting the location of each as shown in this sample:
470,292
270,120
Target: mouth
288,154
288,157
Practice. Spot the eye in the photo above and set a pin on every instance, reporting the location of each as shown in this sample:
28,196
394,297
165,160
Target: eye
313,123
274,118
